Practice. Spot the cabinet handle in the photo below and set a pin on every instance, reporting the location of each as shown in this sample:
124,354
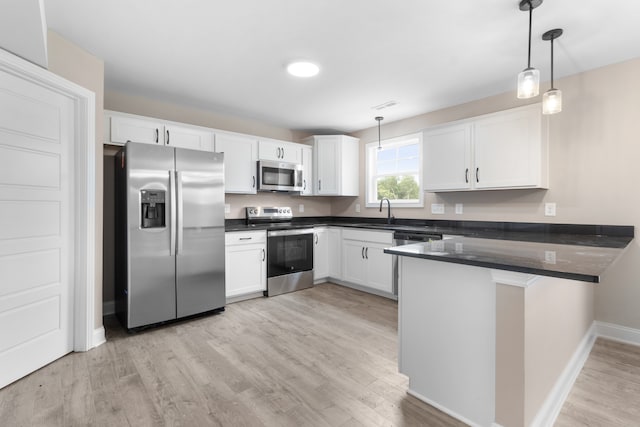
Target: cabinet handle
157,135
477,175
466,175
316,238
304,184
282,153
366,253
319,184
245,238
254,182
167,136
264,254
362,254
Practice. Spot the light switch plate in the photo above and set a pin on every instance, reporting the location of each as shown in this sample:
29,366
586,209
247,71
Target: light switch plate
550,257
357,207
437,208
459,209
550,209
300,208
227,208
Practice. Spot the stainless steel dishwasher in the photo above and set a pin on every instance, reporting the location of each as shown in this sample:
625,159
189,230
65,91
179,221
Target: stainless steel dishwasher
401,238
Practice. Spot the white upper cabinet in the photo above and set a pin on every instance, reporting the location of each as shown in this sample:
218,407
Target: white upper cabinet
240,156
133,129
188,137
447,157
336,165
307,171
281,151
121,128
503,150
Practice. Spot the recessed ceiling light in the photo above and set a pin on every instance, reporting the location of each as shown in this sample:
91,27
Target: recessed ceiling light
303,69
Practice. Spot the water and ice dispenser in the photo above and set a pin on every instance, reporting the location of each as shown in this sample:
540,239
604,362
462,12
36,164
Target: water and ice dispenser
152,208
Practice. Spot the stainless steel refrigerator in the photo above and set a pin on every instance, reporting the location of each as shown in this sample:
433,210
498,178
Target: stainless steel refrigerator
169,222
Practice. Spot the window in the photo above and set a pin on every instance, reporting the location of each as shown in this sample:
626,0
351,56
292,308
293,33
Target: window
395,171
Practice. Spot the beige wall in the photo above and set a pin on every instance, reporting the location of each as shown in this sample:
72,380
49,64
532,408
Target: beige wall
593,157
538,330
74,64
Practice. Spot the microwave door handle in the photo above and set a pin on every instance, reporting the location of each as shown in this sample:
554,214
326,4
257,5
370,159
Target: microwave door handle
172,207
180,215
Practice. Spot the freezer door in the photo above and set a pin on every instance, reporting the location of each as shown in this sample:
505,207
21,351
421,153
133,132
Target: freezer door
200,283
151,295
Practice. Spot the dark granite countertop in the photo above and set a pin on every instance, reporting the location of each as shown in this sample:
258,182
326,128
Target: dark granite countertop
576,262
572,251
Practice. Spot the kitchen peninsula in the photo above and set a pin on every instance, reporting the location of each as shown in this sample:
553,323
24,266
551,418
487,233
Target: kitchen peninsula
494,330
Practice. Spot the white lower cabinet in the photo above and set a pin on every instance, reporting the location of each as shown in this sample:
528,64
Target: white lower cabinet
334,242
364,260
320,253
245,262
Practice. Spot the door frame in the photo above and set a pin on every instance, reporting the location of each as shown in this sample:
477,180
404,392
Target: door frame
83,190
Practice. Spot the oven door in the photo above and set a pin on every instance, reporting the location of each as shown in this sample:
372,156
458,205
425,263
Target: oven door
289,251
279,176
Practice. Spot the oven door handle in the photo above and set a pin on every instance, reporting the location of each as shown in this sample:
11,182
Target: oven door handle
294,232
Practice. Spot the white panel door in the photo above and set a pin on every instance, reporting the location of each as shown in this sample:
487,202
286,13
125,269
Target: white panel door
447,158
125,129
240,155
36,226
379,267
188,137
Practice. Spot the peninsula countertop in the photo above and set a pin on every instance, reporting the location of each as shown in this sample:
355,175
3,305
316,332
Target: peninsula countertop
585,262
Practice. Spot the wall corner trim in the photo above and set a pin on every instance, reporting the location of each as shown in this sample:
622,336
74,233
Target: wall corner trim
513,278
618,333
99,337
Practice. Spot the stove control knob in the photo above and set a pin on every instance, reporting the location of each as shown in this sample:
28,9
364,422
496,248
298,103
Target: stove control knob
279,210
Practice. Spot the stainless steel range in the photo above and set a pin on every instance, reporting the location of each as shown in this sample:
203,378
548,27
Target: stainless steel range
289,250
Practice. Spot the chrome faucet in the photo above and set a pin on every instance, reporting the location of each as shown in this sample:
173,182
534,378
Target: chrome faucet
389,217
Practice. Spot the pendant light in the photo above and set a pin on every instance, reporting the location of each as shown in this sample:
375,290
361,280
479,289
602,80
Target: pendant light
379,119
529,78
552,99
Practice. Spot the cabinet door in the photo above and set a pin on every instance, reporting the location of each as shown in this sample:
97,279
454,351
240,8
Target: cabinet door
335,252
124,129
508,149
245,269
283,151
186,137
327,164
353,267
447,158
307,171
240,155
379,267
320,254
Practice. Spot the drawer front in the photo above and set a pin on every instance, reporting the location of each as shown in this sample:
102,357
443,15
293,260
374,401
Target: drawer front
384,237
245,237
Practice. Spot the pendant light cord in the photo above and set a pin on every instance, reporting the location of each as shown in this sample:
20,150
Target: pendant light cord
379,119
530,22
552,64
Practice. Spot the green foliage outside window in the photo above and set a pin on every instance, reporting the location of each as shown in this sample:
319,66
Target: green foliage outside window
398,188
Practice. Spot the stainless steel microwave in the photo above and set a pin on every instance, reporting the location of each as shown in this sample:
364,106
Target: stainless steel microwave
279,176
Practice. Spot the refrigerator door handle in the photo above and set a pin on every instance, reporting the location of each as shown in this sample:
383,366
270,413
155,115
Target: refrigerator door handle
172,224
179,230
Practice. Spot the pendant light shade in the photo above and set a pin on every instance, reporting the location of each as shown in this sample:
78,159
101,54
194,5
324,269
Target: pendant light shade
552,99
529,78
379,119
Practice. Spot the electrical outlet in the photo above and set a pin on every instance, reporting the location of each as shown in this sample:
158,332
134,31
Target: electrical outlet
300,208
227,208
550,209
357,207
458,208
550,257
459,248
437,208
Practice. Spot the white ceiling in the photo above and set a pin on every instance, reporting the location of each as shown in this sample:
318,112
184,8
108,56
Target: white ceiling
230,56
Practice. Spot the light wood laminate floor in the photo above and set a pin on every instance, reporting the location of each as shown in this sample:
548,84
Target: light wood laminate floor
325,356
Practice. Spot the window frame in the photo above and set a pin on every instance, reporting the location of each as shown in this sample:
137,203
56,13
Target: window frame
371,188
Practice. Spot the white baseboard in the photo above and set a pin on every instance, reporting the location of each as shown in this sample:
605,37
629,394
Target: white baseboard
552,405
99,337
108,307
618,333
